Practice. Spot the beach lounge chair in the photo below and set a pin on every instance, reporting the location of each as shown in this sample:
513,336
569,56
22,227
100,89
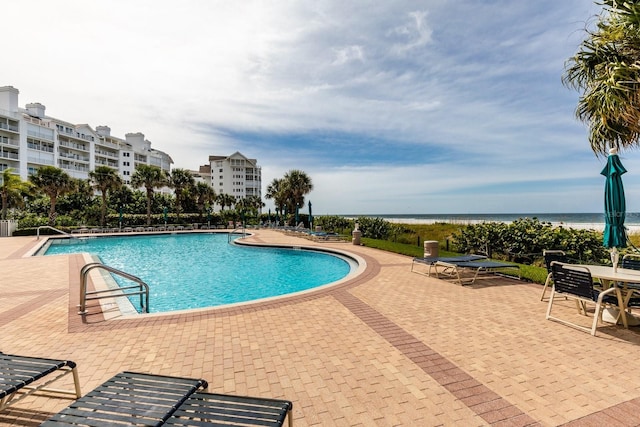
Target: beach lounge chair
431,261
458,269
21,376
208,409
128,399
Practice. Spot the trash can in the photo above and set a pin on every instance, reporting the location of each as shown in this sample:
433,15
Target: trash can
356,234
430,248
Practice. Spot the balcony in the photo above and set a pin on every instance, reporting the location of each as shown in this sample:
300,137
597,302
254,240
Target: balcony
107,154
8,155
12,128
72,166
9,141
108,144
74,156
73,145
40,147
41,160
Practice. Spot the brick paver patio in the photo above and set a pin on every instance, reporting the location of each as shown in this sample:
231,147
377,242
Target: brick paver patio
386,348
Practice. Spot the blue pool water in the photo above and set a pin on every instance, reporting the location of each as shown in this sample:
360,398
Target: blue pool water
195,270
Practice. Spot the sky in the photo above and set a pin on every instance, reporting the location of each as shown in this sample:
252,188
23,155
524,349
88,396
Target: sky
390,107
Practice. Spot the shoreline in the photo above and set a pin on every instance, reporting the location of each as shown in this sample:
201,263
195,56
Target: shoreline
631,228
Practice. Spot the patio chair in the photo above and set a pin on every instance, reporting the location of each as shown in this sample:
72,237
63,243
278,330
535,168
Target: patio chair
576,282
549,257
207,409
20,377
631,261
127,399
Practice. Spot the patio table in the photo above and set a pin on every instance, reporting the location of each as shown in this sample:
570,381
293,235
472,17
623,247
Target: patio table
610,276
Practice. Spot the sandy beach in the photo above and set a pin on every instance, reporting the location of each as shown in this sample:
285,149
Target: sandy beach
632,228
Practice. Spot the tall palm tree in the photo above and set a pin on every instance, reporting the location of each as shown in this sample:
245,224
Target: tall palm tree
12,190
205,195
149,177
54,182
104,179
180,180
297,184
606,69
275,191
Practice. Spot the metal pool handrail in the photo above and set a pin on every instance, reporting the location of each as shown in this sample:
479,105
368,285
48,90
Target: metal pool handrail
143,288
54,229
237,231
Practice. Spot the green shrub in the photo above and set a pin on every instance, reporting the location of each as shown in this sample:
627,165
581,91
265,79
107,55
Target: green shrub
334,223
374,228
525,239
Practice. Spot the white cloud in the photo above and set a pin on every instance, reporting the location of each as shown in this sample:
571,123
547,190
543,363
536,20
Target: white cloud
447,101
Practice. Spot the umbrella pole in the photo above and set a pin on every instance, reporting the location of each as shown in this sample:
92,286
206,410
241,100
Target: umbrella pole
615,256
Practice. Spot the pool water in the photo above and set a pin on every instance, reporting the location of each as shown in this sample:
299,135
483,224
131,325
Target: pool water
195,270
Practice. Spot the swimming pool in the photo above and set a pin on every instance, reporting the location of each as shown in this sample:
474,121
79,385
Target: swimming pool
195,270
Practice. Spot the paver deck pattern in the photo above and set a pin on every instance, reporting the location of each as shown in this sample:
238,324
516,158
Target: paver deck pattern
387,348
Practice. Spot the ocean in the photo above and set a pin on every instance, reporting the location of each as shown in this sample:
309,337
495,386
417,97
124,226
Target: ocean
575,220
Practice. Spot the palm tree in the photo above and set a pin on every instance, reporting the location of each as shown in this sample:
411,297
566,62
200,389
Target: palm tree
12,190
607,70
205,195
53,182
104,179
225,200
275,191
149,177
297,184
180,180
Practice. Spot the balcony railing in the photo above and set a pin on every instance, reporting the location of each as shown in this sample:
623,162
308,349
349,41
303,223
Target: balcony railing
12,128
38,147
40,161
8,155
9,141
74,157
107,154
107,143
73,145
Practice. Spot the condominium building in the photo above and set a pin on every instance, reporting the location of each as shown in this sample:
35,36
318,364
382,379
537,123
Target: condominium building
30,139
235,175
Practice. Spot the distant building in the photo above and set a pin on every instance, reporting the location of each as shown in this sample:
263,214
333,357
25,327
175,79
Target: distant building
30,139
235,175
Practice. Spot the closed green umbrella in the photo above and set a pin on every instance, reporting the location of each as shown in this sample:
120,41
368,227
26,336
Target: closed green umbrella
615,234
310,217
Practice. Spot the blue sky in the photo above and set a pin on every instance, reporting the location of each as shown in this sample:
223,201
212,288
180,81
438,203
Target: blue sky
433,106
